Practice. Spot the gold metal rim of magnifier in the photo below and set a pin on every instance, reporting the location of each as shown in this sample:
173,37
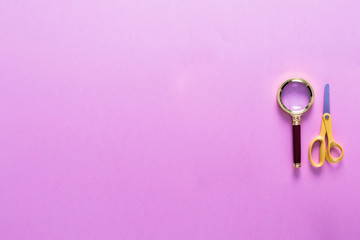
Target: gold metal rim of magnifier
295,114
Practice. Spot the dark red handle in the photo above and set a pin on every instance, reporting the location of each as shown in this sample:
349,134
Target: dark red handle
297,145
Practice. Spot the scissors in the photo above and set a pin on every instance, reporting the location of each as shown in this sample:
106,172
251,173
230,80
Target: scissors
326,129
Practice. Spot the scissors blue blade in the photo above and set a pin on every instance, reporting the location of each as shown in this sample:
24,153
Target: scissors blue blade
327,99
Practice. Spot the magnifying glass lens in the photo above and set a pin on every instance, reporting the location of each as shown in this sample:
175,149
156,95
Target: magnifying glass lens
295,96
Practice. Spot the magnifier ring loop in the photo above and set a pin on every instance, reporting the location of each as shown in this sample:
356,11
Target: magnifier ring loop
295,113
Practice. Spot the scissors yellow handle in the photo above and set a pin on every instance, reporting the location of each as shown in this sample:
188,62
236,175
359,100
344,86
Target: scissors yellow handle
326,129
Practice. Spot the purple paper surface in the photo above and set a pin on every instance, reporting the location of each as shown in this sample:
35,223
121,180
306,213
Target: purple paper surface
158,119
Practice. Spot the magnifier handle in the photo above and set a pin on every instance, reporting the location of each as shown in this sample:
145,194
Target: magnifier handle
297,145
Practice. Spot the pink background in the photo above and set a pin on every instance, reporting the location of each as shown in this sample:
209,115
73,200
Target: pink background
158,119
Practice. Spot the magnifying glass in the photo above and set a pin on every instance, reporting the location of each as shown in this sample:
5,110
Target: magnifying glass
295,96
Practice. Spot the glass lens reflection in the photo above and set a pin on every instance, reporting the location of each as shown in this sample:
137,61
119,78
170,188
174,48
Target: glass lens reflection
295,96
